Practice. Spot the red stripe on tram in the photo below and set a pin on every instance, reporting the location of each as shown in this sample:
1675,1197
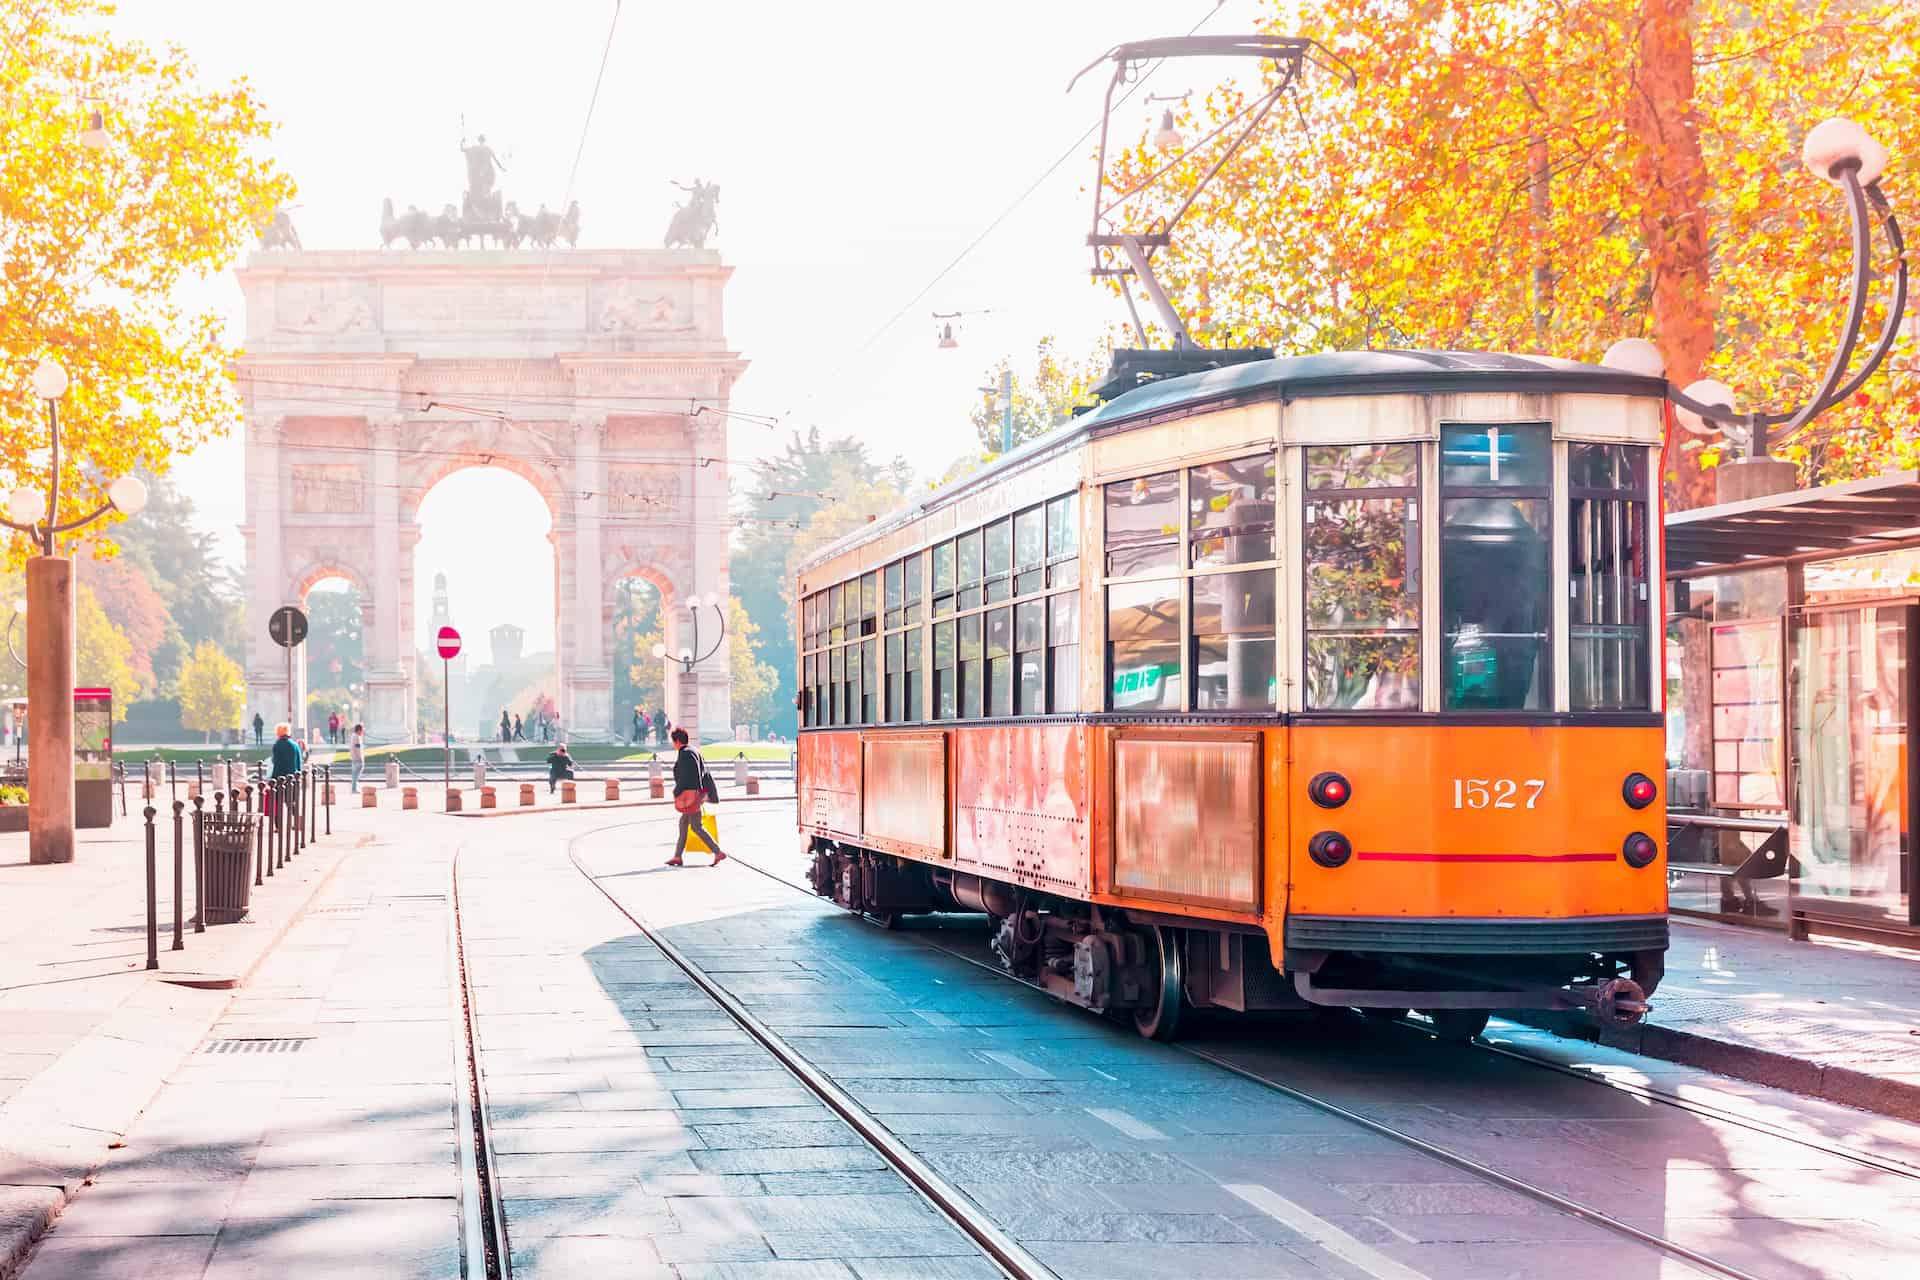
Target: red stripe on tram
1485,857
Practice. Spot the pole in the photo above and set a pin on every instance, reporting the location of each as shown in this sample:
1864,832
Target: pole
199,865
153,898
446,728
1006,410
179,883
290,719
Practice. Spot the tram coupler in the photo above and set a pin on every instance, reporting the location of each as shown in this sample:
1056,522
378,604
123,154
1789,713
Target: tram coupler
1617,1002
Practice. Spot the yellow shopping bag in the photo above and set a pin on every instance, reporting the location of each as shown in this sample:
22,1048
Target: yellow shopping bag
711,826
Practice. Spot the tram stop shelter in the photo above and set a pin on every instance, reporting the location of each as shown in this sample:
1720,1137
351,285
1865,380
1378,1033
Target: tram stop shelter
1791,639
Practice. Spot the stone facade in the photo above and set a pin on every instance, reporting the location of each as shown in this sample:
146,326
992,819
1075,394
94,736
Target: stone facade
601,376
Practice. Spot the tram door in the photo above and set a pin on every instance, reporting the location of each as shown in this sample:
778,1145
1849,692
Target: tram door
1852,831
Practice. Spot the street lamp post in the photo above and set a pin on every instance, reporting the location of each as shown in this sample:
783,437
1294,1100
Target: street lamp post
50,630
690,656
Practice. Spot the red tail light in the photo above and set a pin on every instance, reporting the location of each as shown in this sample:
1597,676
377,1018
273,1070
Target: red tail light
1329,790
1638,791
1639,849
1330,849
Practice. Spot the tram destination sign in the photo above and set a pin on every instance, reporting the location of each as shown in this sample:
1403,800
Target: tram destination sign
287,626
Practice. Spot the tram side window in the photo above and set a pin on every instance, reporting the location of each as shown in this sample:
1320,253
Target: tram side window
1143,525
869,680
1030,657
911,611
869,614
1230,512
1362,572
1234,641
1063,542
1143,646
850,691
836,675
910,708
999,692
972,683
943,579
1063,650
999,557
1030,551
946,690
968,555
1496,538
1607,537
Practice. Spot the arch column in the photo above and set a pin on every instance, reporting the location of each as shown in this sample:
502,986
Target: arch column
389,702
586,681
267,685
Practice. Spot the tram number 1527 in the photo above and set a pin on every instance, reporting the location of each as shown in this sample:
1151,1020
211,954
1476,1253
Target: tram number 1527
1497,793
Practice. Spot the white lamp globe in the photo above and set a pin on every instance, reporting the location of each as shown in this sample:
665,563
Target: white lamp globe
1635,355
1832,142
659,651
128,495
1708,392
49,379
686,655
694,602
26,505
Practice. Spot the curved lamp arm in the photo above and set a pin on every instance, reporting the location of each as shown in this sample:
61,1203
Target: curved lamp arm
1866,205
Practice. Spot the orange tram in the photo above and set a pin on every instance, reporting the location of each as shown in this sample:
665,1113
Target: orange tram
1322,681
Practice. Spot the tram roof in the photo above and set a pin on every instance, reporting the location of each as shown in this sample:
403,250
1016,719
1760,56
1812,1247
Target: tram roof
1332,373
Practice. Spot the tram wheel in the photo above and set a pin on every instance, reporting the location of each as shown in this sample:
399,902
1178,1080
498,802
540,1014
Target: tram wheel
885,919
1457,1024
1161,1021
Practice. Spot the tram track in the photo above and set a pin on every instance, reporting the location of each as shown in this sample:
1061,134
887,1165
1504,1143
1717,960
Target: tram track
948,1200
1464,1163
483,1225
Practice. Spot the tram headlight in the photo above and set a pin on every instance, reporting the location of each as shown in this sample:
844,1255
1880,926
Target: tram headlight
1638,791
1329,790
1639,849
1330,849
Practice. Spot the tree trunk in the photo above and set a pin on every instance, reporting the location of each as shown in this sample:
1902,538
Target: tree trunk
1672,178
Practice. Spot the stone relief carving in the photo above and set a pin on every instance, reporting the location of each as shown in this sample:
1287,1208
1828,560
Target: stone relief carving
479,308
626,310
637,489
321,488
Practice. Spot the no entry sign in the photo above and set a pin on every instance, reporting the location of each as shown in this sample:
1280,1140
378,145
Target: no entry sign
448,642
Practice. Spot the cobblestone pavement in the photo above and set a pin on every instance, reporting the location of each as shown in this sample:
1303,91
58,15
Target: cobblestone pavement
1110,1156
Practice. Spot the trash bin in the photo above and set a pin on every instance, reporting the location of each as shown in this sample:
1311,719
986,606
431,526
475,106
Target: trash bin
229,865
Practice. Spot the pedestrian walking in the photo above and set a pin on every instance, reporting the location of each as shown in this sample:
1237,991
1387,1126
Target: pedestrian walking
693,786
286,758
518,736
660,726
259,728
639,730
559,767
333,727
506,726
357,753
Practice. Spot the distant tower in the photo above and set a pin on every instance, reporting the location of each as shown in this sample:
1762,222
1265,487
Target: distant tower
508,643
442,616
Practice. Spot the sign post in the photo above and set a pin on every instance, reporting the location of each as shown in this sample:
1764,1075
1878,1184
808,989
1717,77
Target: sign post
448,644
288,627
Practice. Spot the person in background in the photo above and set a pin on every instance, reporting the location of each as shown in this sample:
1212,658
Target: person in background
518,734
689,797
259,728
506,726
660,726
333,727
559,767
638,731
357,752
286,757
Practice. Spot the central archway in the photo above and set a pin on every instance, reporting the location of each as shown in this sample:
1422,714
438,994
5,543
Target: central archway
484,562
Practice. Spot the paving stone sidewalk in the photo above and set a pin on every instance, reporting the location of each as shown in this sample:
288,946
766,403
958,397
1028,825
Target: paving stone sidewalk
1828,1018
87,1033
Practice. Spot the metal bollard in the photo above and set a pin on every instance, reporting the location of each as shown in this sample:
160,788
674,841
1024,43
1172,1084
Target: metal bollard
258,848
179,880
173,781
153,897
740,770
393,774
329,797
313,806
199,865
121,769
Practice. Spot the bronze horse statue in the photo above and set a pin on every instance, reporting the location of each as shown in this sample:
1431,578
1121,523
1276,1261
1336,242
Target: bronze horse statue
697,219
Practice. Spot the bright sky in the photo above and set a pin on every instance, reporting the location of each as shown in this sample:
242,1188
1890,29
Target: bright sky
859,146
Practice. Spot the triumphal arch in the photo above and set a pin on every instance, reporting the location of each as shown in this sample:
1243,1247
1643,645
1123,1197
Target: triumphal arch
600,375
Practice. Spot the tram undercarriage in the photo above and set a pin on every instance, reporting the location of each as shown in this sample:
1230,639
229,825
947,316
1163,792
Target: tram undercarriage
1150,967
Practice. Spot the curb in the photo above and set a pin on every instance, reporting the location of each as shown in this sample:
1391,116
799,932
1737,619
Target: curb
28,1211
520,811
1843,1085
